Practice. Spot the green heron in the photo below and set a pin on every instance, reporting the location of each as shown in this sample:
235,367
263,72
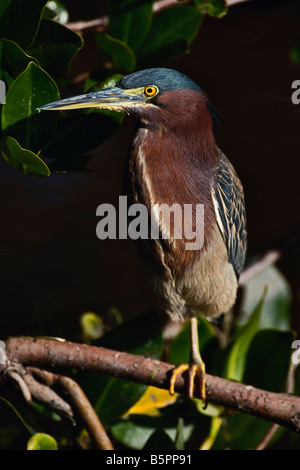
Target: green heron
174,159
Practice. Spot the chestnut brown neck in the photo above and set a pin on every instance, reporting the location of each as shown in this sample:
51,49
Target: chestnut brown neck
174,149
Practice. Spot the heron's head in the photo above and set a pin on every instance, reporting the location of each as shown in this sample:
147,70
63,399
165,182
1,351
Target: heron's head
155,96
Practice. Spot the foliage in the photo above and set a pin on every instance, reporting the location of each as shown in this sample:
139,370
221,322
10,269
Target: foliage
35,56
139,417
36,51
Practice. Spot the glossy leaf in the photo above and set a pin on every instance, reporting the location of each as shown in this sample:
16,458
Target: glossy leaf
130,21
92,326
20,116
268,360
217,8
216,423
22,159
150,402
19,20
276,310
54,47
137,430
164,43
56,11
245,432
210,409
179,438
22,414
41,441
132,434
236,360
13,61
80,131
116,51
113,397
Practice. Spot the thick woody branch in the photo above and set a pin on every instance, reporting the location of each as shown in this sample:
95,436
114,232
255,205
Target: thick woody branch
280,408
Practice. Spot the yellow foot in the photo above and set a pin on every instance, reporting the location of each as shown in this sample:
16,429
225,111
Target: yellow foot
194,369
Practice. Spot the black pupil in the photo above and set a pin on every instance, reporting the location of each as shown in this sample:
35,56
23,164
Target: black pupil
149,90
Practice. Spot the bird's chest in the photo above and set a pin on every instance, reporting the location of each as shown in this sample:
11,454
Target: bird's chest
177,198
158,184
150,168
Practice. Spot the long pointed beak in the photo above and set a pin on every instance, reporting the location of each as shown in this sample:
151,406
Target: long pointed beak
112,98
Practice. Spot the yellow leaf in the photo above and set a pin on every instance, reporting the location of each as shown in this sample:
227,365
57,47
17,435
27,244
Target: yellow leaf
150,402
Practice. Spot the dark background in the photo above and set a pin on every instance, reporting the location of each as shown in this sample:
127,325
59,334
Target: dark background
51,263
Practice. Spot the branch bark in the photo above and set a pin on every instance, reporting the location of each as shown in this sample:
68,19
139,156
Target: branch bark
280,408
80,403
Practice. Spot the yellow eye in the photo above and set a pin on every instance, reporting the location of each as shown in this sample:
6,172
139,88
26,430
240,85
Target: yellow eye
150,90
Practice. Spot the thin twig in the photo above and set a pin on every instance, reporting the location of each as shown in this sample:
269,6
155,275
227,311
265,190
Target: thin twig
81,403
280,408
290,384
90,418
270,258
99,25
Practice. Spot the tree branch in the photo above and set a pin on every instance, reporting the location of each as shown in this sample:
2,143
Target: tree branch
98,25
280,408
80,403
269,258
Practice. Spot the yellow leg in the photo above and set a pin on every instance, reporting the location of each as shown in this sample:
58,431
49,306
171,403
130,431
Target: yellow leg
195,368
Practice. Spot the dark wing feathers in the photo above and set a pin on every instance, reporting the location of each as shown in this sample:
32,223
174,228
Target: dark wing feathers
229,205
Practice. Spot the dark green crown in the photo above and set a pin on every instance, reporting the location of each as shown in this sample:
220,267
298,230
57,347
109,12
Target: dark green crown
164,79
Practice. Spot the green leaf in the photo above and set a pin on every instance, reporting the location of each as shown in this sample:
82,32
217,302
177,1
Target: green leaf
23,415
130,21
56,11
79,132
210,409
121,55
236,360
136,431
112,397
268,360
277,303
92,326
216,423
180,348
22,159
19,20
132,434
13,61
179,439
55,46
170,35
20,116
216,8
245,432
41,441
